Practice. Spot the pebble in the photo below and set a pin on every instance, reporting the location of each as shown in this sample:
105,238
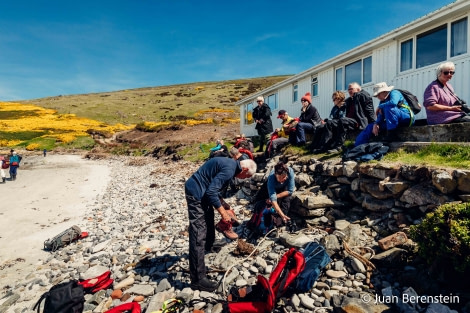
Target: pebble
140,234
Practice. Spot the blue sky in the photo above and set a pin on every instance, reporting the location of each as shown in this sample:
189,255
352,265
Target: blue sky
50,48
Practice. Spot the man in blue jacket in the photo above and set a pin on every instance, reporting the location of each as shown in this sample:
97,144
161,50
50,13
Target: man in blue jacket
203,195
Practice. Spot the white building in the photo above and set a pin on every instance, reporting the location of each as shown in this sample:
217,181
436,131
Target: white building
406,58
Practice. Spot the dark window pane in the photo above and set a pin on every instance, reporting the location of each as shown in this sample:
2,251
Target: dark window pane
406,56
353,73
458,41
431,47
339,79
367,70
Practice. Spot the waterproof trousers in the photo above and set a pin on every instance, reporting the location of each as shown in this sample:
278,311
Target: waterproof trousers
393,117
201,234
298,137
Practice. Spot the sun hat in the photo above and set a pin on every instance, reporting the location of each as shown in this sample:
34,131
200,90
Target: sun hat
378,88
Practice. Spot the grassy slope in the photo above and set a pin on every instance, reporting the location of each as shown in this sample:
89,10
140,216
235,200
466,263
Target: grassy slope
155,104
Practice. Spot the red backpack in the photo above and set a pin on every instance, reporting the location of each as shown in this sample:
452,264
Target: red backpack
261,298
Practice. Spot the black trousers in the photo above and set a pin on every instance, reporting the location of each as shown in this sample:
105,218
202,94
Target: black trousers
201,234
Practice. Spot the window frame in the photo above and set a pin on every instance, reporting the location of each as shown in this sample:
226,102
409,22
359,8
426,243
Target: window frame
269,99
295,92
343,73
450,43
314,86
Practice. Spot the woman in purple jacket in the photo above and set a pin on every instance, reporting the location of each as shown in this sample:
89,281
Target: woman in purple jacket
441,103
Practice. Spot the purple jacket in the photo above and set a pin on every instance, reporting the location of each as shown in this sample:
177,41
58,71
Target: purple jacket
436,93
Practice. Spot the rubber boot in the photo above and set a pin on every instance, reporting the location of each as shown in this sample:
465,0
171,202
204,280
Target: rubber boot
4,179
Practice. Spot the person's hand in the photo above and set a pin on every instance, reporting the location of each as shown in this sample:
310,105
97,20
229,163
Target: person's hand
285,218
456,108
268,202
375,129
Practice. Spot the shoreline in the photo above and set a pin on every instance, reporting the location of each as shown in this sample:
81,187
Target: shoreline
49,195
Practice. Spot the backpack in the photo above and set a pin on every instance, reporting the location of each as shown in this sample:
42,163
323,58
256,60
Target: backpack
366,152
64,238
412,100
263,219
261,298
5,162
65,297
316,259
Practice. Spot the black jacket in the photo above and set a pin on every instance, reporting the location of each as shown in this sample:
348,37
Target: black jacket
310,115
263,113
361,108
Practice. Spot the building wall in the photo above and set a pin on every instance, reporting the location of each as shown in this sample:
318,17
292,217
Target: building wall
385,53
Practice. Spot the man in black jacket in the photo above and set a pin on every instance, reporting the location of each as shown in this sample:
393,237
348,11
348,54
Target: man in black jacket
359,106
264,125
203,196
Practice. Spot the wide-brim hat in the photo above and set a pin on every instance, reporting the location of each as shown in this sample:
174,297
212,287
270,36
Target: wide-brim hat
378,88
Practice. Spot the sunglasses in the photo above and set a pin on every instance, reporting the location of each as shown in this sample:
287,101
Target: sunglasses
448,72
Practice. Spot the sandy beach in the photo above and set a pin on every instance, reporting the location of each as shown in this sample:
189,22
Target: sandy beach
49,195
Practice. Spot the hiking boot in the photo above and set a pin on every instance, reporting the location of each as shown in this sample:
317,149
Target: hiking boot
226,229
233,218
204,285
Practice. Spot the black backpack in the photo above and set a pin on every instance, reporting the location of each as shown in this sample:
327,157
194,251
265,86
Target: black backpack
412,100
66,297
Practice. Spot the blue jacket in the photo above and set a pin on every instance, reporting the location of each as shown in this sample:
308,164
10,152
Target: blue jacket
275,187
211,178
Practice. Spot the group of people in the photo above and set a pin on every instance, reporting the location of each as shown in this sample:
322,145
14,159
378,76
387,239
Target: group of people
11,162
357,113
204,188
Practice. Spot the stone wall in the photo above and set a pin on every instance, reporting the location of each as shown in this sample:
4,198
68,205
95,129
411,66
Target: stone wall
373,187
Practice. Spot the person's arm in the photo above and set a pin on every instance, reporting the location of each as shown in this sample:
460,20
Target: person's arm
432,98
273,196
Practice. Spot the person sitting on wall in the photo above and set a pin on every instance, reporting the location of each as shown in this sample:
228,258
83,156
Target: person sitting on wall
442,104
309,119
359,106
331,135
393,111
280,137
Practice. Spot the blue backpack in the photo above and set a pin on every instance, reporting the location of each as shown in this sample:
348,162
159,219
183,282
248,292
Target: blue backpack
316,259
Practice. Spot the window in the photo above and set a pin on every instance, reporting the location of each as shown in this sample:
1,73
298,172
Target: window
367,70
406,55
458,37
314,86
431,46
339,79
295,93
272,101
352,73
359,71
249,113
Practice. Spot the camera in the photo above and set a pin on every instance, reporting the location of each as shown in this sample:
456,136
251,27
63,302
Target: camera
463,105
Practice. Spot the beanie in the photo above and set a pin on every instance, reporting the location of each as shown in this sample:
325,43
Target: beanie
307,97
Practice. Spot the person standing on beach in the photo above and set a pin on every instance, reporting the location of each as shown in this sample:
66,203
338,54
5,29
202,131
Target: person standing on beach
14,164
2,171
203,195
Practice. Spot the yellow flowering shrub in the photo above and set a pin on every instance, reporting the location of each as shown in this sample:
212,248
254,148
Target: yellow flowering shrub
32,146
17,118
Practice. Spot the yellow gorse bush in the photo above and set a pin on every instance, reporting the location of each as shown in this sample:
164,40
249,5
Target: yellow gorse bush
17,117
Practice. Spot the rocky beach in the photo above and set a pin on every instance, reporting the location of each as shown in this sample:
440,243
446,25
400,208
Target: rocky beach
135,213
